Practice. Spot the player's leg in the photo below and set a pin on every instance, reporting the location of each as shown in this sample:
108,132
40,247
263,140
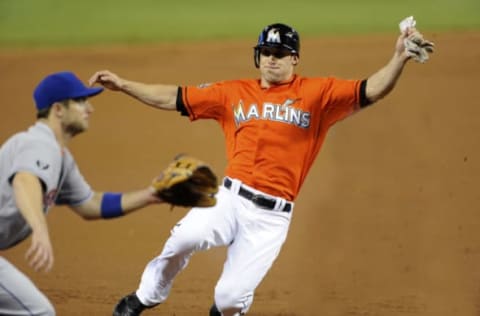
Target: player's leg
260,236
19,296
200,229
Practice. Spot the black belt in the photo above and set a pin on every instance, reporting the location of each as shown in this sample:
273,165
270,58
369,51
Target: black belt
258,199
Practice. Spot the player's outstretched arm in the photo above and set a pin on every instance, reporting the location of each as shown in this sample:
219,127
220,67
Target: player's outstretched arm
29,198
156,95
384,80
110,205
410,44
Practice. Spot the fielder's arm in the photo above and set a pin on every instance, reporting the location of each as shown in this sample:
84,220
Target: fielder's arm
109,205
156,95
28,193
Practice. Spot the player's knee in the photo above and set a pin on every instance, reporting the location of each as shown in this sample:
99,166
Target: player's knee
233,299
185,241
181,244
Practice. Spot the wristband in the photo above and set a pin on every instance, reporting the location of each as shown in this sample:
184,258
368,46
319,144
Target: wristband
111,205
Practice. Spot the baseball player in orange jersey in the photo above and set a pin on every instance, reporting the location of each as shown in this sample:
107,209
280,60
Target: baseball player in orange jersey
274,127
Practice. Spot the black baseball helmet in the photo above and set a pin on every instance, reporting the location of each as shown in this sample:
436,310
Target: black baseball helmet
277,35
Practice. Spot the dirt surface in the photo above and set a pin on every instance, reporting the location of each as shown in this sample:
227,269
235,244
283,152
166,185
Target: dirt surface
387,223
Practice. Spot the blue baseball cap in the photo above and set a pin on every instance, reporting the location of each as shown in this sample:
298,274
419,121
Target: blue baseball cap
61,86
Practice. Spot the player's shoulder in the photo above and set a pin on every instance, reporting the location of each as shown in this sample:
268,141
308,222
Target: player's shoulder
229,85
247,81
36,136
307,79
323,82
40,132
310,83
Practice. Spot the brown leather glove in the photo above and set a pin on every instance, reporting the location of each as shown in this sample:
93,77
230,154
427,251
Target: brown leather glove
187,181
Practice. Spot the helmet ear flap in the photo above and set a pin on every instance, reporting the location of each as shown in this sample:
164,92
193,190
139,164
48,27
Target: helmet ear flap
256,57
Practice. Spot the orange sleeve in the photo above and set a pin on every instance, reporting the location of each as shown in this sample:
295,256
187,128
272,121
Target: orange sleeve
204,101
339,98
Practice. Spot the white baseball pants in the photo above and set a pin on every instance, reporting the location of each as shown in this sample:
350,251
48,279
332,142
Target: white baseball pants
253,235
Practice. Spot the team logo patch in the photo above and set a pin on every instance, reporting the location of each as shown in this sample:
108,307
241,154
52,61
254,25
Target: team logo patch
42,165
284,112
273,36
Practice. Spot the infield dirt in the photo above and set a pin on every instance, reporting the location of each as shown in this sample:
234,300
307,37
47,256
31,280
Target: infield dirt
387,222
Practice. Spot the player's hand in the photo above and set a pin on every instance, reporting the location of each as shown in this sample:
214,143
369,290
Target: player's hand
153,197
40,253
107,79
400,45
411,44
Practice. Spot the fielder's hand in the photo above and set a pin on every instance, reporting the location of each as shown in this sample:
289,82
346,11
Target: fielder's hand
40,253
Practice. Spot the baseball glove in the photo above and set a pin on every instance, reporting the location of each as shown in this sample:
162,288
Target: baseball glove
187,182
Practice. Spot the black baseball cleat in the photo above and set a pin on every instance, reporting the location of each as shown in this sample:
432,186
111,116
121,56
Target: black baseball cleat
130,305
214,311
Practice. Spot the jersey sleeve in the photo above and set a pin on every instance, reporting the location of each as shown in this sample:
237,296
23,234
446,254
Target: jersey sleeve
74,190
38,158
202,102
340,98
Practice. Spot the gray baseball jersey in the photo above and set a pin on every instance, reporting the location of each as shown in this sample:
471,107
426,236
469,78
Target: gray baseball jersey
36,151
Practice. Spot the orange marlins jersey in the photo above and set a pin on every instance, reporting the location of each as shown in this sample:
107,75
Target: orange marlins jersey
273,135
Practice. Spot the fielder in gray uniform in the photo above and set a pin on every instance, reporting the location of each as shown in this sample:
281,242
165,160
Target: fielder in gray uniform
36,172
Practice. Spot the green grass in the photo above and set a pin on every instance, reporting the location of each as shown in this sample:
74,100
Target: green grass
64,22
